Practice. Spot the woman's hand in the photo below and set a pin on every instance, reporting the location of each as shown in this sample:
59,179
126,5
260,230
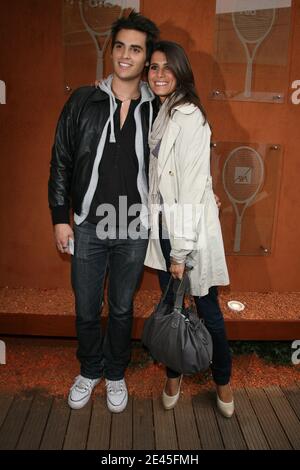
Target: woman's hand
177,270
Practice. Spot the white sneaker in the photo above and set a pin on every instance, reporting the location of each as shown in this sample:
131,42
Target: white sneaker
81,391
116,395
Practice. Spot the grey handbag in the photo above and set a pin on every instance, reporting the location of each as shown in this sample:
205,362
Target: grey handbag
177,337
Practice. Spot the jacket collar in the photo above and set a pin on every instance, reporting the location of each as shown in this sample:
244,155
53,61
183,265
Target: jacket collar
187,108
102,94
99,95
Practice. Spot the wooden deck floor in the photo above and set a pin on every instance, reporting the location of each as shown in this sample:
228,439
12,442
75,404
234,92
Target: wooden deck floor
266,418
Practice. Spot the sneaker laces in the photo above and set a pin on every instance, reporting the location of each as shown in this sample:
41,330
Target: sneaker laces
83,384
115,386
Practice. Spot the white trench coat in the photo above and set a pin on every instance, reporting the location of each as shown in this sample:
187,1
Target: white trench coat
192,215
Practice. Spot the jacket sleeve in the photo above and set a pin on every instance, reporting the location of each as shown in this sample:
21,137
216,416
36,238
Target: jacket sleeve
192,153
63,150
61,165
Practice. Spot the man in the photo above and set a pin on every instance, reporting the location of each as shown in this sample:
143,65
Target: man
101,153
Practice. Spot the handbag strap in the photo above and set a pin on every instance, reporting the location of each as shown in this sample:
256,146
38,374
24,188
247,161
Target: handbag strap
165,294
181,290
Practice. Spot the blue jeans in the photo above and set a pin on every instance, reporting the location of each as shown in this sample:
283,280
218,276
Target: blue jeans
108,354
208,308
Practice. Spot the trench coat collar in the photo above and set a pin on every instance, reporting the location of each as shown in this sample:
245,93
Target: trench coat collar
187,108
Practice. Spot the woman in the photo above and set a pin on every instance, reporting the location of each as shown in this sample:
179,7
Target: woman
185,228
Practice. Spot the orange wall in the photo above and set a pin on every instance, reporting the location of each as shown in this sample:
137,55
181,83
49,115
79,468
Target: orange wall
31,64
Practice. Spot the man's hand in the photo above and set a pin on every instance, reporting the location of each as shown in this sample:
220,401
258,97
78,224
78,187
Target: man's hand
177,270
62,233
218,201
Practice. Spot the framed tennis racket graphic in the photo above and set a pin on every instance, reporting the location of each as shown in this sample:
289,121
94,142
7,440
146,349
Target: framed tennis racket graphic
242,178
252,27
97,18
88,22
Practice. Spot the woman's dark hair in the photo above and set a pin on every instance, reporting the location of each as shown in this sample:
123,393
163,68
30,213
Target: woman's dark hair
179,64
139,23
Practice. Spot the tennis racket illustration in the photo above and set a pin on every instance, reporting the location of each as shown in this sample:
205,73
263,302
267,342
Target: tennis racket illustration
97,17
243,175
252,27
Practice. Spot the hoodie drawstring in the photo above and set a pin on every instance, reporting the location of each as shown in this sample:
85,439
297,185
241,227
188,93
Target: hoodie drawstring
112,108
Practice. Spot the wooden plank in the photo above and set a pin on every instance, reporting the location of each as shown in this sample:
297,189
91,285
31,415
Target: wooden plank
230,431
208,429
268,420
56,426
187,433
252,432
293,395
121,429
34,324
78,428
143,427
257,329
100,425
5,403
32,433
285,414
14,422
164,427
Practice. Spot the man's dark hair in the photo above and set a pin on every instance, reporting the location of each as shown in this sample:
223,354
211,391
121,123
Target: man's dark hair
139,23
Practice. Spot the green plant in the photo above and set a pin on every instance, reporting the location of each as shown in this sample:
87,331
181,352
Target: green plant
275,352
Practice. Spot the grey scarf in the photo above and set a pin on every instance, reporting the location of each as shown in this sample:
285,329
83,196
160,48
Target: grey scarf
158,130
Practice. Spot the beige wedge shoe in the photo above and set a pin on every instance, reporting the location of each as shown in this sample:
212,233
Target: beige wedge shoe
226,409
168,401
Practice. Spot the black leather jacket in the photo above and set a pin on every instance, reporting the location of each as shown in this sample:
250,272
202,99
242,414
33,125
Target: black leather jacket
75,146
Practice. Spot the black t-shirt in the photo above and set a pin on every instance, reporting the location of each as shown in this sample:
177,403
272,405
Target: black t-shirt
118,170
